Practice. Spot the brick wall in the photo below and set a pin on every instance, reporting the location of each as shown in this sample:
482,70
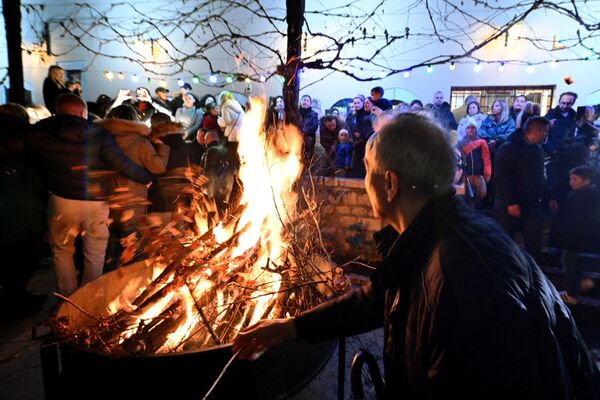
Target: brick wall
348,217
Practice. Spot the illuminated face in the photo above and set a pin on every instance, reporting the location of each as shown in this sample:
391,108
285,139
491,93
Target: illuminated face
471,132
539,135
473,109
519,102
335,112
358,103
368,105
577,182
374,185
330,125
566,102
375,95
496,108
343,137
438,99
590,114
351,108
305,103
279,104
161,95
188,100
140,92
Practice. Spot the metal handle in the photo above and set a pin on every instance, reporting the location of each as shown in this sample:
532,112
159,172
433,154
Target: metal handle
362,357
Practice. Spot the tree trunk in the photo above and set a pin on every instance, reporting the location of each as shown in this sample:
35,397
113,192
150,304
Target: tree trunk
295,20
12,22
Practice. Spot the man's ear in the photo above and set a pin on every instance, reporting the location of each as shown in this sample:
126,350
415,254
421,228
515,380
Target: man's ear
392,185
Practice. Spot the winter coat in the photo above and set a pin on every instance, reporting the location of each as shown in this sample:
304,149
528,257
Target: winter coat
466,315
168,188
190,118
219,170
519,172
357,165
310,122
68,148
51,90
343,156
491,130
477,158
360,122
443,115
461,130
383,104
232,115
561,131
133,139
576,226
328,138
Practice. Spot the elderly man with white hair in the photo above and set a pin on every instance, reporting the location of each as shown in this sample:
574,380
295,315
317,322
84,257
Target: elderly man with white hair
466,313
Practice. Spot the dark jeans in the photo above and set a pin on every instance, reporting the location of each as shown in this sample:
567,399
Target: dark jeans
529,224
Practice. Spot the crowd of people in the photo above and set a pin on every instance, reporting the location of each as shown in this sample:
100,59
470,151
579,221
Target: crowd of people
505,166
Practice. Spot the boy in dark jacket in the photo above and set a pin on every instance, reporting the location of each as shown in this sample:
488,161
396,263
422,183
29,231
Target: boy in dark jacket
576,229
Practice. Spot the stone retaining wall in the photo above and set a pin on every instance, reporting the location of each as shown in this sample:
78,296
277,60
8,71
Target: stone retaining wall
348,218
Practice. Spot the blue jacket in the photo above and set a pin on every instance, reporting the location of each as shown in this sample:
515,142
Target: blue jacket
491,130
343,157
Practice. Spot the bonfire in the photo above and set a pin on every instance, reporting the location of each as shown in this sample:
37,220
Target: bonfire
215,273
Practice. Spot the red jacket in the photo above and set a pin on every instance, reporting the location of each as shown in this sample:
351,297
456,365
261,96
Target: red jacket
478,158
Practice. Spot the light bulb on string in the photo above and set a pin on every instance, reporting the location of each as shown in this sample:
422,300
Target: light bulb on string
429,69
501,67
196,80
263,78
530,69
163,83
406,74
553,64
360,72
303,73
148,81
228,79
382,74
109,75
135,78
212,79
247,80
477,67
121,76
180,82
452,66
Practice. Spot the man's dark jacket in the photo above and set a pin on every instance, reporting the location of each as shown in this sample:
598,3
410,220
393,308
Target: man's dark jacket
466,314
443,115
68,149
561,131
519,172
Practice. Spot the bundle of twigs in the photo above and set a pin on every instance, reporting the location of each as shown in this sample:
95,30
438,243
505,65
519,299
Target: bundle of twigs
293,283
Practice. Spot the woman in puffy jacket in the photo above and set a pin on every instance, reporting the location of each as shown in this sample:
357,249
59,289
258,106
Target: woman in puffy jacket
496,128
232,115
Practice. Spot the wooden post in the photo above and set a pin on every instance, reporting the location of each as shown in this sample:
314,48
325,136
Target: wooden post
291,89
12,22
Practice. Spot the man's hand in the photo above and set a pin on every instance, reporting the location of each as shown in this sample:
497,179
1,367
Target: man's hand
553,205
253,341
514,210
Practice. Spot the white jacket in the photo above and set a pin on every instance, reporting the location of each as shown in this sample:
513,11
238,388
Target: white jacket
232,115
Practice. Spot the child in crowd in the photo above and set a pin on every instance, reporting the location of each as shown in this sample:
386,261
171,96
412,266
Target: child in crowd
343,153
478,168
576,230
